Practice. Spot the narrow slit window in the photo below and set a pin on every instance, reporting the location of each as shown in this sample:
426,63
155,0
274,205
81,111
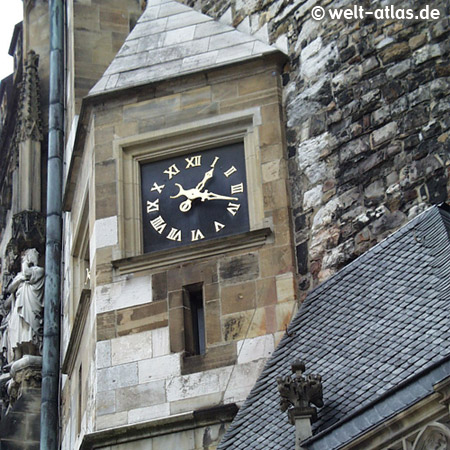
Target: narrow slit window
194,320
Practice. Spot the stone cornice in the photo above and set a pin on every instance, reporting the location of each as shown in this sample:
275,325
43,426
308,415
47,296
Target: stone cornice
193,252
158,427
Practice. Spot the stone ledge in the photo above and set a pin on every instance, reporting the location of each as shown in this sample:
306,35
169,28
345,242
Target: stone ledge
191,252
158,427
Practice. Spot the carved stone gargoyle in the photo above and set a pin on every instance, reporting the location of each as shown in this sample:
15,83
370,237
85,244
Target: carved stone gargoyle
298,392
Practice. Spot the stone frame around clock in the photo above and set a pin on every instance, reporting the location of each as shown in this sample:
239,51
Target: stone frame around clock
175,141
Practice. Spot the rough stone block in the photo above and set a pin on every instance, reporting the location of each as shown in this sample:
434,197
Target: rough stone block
312,198
394,52
383,134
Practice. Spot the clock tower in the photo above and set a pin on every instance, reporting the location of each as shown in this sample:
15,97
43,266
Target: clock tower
178,210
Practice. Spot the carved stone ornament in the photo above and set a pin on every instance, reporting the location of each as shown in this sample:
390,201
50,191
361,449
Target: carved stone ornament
29,230
298,392
29,122
434,436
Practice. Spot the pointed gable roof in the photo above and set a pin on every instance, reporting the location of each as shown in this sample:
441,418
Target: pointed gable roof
171,39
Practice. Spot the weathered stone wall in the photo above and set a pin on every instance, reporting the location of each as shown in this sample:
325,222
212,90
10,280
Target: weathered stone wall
367,107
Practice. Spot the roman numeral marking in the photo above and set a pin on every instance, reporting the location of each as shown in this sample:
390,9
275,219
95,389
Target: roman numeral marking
174,235
158,224
172,171
196,235
237,188
152,206
230,171
218,226
157,187
233,208
193,161
214,162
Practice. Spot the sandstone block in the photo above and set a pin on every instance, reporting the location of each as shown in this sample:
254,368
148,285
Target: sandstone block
133,347
194,385
260,347
117,377
105,232
148,413
105,403
160,342
239,268
140,396
111,420
285,287
238,297
159,368
103,354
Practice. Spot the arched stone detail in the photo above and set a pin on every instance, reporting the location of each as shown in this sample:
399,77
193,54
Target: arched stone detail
435,436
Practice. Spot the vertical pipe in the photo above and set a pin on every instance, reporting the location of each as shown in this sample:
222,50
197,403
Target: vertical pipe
52,308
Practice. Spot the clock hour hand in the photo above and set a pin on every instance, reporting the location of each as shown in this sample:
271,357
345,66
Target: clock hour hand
207,176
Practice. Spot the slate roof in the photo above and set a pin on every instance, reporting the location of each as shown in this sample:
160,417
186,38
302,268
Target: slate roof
171,39
371,330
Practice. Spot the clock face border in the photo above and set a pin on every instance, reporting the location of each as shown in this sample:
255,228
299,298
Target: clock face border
164,184
185,139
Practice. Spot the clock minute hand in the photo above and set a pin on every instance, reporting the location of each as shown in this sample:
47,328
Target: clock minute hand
212,196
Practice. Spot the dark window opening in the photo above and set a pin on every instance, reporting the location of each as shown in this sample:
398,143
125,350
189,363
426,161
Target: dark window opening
194,320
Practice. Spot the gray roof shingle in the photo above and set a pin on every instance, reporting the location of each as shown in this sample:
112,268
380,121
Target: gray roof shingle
171,39
376,324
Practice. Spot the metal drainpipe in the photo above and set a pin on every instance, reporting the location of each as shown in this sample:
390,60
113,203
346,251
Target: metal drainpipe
51,345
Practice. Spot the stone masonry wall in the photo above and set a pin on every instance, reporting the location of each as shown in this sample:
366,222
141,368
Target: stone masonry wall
367,105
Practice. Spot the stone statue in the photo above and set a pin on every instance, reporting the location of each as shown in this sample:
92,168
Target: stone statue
24,328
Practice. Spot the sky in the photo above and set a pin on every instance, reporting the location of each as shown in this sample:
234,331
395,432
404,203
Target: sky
10,15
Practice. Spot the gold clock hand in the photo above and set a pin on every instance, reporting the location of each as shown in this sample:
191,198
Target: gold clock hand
212,196
206,177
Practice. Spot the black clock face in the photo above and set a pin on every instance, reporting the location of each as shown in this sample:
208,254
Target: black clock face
195,197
